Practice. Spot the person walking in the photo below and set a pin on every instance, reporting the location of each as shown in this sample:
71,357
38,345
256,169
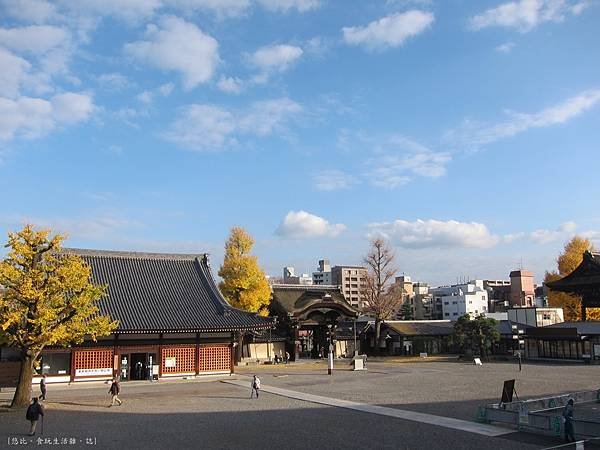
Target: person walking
34,411
114,390
255,386
43,387
568,421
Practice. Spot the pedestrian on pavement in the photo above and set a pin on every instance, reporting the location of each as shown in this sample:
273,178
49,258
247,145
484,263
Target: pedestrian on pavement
34,411
287,357
519,358
114,390
568,421
255,386
43,387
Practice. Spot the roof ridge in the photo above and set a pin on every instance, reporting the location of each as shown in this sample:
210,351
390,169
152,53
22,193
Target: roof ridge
132,255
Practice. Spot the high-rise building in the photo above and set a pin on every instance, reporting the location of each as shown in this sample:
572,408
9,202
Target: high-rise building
352,280
522,289
323,273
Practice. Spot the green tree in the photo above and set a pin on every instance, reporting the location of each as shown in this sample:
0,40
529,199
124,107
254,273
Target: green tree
567,262
477,334
406,312
244,283
381,296
48,299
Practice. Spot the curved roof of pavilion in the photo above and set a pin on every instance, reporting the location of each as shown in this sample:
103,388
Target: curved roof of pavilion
166,293
584,279
300,301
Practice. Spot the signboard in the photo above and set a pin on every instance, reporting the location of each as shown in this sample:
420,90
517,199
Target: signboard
105,371
170,361
507,391
478,362
423,355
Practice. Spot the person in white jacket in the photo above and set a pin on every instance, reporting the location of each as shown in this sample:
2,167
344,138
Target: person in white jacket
255,386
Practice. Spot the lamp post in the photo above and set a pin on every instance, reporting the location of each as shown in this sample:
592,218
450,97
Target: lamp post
355,348
330,355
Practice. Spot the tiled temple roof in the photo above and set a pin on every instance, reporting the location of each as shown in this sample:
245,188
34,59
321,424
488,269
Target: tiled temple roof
157,292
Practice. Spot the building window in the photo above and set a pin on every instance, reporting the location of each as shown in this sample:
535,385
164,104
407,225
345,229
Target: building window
54,364
446,314
446,303
455,314
454,303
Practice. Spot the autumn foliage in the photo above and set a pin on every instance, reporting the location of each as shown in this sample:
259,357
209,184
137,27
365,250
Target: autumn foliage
567,262
244,283
47,298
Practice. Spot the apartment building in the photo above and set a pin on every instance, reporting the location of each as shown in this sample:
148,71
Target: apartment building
352,280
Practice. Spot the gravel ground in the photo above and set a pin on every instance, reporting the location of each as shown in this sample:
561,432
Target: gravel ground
192,414
444,388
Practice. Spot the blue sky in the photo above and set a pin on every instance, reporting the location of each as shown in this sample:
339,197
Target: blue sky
464,131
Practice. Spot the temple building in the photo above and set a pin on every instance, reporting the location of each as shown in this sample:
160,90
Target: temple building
310,316
173,322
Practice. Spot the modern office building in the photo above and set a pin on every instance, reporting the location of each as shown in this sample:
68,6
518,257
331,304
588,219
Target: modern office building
459,299
323,273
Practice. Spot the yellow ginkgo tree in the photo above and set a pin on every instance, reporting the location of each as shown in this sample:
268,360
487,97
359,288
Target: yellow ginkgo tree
244,283
46,298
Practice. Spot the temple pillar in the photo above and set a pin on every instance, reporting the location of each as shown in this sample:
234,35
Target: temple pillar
583,309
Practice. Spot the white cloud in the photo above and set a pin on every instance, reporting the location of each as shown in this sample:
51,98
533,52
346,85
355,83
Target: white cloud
473,135
286,5
564,231
113,81
525,15
275,58
34,117
221,8
436,233
129,10
12,74
145,97
166,89
266,116
399,159
301,224
509,238
333,180
205,127
390,31
34,39
505,48
179,46
36,11
230,85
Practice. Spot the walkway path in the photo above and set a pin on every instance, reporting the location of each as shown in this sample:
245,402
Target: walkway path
447,422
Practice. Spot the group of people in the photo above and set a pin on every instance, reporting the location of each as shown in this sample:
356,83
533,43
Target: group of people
278,359
36,410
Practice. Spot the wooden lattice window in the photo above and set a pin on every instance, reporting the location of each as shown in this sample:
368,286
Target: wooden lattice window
214,358
178,360
86,360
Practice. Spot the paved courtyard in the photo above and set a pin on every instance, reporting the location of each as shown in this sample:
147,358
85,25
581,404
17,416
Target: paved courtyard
214,414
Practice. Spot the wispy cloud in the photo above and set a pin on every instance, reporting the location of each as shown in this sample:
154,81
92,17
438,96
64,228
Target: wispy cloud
301,224
389,31
474,135
525,15
333,180
205,127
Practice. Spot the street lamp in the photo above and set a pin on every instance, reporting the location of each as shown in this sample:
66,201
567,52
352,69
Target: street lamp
330,356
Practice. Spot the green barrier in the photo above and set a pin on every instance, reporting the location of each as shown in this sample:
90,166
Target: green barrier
481,415
556,425
552,403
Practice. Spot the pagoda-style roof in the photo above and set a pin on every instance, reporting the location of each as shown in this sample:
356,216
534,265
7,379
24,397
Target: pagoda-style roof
299,302
168,293
585,279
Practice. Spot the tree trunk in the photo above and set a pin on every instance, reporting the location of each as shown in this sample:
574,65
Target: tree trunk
377,334
22,396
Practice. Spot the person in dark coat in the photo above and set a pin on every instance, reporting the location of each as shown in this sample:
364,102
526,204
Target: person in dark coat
568,421
115,389
34,411
43,387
